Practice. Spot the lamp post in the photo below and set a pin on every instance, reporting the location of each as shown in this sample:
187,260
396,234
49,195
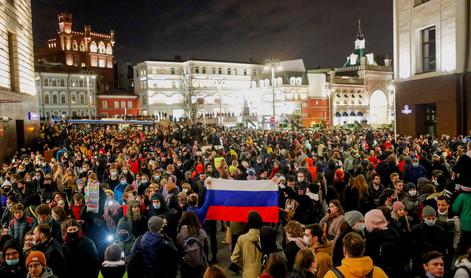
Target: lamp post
273,65
392,89
87,79
329,108
219,84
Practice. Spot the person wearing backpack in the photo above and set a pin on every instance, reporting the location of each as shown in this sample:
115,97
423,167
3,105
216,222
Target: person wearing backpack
246,255
157,251
355,265
192,242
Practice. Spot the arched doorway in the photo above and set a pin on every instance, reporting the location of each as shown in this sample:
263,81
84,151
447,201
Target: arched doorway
378,108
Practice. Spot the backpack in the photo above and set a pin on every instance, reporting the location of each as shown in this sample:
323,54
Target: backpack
194,254
339,274
135,263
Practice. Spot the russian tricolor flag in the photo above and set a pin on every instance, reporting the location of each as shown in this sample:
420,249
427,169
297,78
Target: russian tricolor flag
231,200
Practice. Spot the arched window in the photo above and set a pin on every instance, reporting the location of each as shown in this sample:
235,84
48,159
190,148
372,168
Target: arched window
74,46
101,47
93,47
82,46
46,99
109,49
299,81
292,81
279,81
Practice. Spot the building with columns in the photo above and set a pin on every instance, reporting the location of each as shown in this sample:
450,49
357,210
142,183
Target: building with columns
361,91
432,43
19,119
86,49
235,90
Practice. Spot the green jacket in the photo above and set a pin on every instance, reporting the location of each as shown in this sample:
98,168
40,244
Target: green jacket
462,207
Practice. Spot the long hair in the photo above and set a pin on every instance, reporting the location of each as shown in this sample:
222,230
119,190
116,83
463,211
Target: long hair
190,219
276,266
360,185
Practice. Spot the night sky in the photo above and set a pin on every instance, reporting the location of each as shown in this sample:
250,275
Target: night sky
322,32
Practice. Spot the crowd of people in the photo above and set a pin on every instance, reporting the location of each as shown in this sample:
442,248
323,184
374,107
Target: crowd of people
105,201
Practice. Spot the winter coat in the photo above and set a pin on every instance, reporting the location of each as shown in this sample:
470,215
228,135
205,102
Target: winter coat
427,238
357,268
387,250
182,236
164,212
46,274
81,257
337,246
16,271
462,207
54,256
246,255
324,257
462,168
412,174
333,225
462,265
291,249
160,255
19,227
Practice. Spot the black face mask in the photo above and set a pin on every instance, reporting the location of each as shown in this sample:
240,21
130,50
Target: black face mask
72,236
124,236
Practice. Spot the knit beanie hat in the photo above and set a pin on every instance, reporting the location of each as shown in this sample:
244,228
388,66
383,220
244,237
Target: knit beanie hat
374,219
352,217
113,253
124,225
410,185
155,224
398,205
428,211
36,256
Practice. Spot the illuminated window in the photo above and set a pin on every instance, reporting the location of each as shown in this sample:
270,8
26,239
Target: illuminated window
101,48
129,104
104,104
82,46
116,104
123,104
74,46
428,49
101,63
109,49
93,47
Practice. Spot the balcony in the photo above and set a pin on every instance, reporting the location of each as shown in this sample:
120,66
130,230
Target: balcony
348,80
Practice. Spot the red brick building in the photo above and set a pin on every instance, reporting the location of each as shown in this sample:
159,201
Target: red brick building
316,110
87,50
117,104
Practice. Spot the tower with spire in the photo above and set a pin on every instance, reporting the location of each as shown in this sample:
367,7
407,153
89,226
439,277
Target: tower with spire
355,58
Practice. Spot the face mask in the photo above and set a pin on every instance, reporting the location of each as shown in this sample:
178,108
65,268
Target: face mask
144,181
125,172
413,192
156,206
72,236
185,190
361,227
300,179
12,262
123,182
28,180
84,170
415,164
430,222
38,177
124,236
43,164
443,213
307,240
113,174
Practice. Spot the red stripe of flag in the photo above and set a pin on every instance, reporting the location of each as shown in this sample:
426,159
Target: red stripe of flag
239,214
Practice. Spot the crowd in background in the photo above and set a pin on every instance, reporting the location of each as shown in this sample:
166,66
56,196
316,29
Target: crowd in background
104,201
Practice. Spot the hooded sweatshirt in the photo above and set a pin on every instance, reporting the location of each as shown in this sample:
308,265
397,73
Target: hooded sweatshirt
357,268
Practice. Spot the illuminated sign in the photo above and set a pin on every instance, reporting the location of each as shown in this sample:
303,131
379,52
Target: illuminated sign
33,116
407,110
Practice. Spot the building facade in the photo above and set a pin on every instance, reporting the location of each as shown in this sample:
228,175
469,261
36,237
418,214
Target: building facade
86,50
66,94
432,70
118,105
227,91
19,119
361,91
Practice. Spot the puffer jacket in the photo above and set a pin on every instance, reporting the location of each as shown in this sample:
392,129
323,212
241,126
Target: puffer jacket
246,255
160,255
19,227
324,257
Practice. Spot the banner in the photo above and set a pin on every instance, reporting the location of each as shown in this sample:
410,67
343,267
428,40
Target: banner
92,196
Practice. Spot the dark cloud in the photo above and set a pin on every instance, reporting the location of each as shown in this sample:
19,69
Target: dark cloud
319,31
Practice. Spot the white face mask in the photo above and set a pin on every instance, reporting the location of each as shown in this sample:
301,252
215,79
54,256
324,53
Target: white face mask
412,192
307,240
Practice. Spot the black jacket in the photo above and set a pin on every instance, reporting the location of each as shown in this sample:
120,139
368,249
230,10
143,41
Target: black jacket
54,256
82,258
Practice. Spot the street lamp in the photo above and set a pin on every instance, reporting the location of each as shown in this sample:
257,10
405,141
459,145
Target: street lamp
87,78
329,108
273,65
392,89
219,84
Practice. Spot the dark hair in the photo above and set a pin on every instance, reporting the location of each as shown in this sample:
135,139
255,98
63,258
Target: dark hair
43,209
354,245
337,204
316,230
276,266
44,229
60,212
190,219
443,198
427,257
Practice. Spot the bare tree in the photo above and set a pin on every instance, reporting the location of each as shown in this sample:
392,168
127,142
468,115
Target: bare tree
188,91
